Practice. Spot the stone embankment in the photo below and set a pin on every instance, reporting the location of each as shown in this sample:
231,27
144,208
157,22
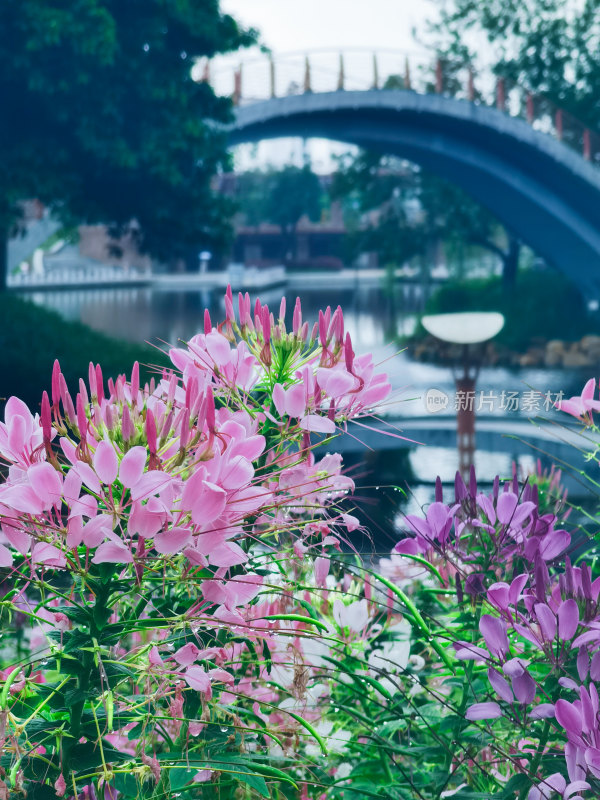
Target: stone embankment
540,353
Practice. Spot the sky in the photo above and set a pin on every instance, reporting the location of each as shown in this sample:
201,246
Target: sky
300,26
308,24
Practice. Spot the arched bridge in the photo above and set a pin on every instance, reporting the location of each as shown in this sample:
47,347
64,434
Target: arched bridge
545,193
537,173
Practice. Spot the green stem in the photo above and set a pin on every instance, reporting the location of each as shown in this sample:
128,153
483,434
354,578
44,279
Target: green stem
83,683
460,712
538,757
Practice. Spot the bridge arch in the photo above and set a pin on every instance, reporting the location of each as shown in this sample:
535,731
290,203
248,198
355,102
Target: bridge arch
545,193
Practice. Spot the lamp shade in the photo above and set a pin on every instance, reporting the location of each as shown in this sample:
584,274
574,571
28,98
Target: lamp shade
469,327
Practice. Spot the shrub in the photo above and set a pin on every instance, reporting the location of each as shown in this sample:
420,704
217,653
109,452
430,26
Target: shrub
529,309
31,338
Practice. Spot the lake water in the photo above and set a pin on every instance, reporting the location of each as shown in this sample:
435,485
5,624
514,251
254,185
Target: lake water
375,317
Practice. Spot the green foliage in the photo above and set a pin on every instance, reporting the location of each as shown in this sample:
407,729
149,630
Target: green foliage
280,196
411,210
107,124
32,337
550,46
526,309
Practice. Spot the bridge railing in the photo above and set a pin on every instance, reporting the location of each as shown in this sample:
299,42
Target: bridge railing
264,77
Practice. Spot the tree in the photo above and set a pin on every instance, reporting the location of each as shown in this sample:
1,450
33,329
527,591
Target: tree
411,209
105,122
549,46
281,197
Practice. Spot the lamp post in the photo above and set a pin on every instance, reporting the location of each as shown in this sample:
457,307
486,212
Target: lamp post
468,329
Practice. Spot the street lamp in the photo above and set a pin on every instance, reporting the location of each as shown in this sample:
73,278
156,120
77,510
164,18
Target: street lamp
468,329
203,259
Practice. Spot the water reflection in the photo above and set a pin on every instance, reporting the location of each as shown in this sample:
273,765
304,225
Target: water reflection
376,318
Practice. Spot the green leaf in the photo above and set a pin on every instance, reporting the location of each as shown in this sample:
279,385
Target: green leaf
270,772
180,776
414,611
256,782
307,607
297,618
424,562
228,765
87,756
79,615
126,783
392,727
515,784
41,791
76,696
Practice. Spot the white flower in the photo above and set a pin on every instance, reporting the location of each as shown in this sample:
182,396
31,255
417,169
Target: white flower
355,616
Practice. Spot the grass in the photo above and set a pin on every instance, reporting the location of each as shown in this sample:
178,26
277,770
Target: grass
32,337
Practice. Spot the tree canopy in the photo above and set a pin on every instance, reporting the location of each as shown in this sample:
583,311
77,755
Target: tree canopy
549,46
407,209
280,196
106,123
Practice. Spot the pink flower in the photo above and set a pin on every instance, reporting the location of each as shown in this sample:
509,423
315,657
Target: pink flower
197,678
60,785
581,406
21,435
236,592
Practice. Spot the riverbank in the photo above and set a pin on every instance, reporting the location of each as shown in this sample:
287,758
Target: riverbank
553,353
547,322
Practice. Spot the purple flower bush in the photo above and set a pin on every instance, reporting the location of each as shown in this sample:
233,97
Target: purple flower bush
517,613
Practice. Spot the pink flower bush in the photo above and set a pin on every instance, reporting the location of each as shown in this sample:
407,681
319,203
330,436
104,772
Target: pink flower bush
153,539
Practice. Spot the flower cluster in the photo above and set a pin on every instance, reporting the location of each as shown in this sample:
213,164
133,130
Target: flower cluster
533,629
153,536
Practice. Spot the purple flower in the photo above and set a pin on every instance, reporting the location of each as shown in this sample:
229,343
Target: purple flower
435,528
547,621
568,683
542,711
557,783
516,587
595,667
524,688
493,630
501,685
568,619
498,595
514,667
510,512
583,663
483,711
465,651
554,543
581,406
569,718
